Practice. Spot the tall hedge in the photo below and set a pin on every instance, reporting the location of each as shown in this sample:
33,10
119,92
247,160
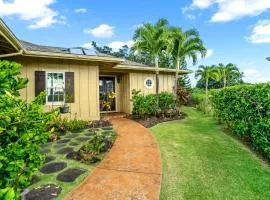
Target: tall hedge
246,110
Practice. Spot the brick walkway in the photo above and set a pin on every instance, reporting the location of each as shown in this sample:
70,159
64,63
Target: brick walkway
130,171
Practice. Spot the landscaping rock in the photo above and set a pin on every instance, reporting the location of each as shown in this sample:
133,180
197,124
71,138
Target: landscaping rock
89,134
46,192
65,150
72,135
107,128
46,145
83,139
53,167
44,151
70,175
74,143
74,155
49,159
63,141
57,146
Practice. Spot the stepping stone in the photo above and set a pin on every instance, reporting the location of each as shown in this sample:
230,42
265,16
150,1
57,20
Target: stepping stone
65,150
107,132
107,128
49,159
74,155
63,141
45,192
91,130
35,179
45,145
57,146
89,134
74,144
53,167
73,135
44,151
83,139
70,175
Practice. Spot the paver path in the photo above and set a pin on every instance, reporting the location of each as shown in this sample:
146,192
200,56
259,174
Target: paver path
130,171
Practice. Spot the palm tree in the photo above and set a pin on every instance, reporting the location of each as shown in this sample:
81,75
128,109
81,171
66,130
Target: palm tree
184,45
151,38
206,73
225,72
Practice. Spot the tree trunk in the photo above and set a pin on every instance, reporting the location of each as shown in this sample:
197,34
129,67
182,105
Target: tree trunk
157,78
177,67
206,87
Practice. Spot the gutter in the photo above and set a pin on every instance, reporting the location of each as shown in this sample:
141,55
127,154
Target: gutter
12,54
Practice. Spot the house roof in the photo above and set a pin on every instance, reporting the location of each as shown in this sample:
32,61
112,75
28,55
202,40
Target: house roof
24,48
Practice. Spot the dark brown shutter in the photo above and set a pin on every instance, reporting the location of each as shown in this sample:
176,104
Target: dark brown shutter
40,82
69,87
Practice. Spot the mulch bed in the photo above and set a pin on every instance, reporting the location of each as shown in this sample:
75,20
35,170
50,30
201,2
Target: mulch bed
46,192
107,128
65,150
53,167
49,159
70,175
152,121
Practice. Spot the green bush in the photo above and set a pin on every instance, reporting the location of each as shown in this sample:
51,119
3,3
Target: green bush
22,130
246,110
58,124
146,105
201,101
76,125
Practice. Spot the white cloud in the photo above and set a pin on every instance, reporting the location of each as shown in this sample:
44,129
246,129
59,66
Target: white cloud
252,75
88,45
36,11
209,53
118,44
81,10
103,30
229,10
260,32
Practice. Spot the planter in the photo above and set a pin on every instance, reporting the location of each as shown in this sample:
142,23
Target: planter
64,109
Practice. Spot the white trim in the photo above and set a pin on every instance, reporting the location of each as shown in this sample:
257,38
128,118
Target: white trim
147,79
116,94
58,103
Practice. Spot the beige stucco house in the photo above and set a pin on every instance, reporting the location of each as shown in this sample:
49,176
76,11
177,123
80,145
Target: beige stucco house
86,78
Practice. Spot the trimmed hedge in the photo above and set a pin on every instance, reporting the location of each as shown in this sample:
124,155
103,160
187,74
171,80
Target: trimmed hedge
246,111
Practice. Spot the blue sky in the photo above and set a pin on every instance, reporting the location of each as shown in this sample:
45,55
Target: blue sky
235,31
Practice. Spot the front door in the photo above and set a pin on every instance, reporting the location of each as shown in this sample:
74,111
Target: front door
106,85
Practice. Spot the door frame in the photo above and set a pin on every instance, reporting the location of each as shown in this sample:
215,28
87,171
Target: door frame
116,93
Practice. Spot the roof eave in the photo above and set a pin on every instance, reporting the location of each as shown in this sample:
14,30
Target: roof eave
140,68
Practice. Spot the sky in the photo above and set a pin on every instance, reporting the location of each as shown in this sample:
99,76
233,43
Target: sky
236,31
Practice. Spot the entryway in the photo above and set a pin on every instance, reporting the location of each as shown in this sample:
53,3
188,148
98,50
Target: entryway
106,85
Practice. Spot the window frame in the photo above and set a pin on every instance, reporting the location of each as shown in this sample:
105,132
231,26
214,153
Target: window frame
145,82
46,84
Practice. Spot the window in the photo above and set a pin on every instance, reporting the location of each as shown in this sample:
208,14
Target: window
149,83
55,83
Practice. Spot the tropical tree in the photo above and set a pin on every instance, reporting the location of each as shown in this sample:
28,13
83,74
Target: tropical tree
206,73
225,72
152,39
183,45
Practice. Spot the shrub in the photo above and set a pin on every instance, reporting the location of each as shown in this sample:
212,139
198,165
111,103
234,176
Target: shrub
201,101
76,125
22,130
146,105
246,110
58,125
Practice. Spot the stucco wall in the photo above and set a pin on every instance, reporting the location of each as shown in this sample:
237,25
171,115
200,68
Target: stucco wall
86,105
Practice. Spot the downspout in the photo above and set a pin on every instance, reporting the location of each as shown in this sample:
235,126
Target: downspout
12,54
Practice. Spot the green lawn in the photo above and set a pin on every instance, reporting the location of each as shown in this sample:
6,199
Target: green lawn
201,162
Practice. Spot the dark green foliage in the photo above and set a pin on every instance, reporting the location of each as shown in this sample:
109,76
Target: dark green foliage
9,78
246,110
76,125
58,124
146,105
22,130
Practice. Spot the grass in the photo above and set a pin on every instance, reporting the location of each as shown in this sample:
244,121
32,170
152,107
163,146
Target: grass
200,161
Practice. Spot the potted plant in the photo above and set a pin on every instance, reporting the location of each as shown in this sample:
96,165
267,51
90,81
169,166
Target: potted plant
64,108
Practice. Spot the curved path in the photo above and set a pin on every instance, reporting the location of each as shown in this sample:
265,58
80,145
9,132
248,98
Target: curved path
130,171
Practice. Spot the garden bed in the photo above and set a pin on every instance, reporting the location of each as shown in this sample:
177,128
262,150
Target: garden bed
60,172
153,120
